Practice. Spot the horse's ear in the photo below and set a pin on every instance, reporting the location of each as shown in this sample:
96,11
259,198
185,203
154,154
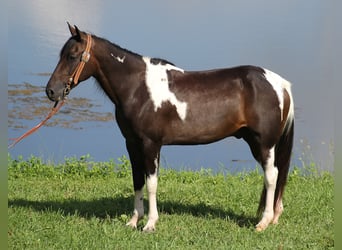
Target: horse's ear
74,31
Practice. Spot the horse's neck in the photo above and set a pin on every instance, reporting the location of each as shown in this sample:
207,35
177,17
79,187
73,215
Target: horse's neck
118,70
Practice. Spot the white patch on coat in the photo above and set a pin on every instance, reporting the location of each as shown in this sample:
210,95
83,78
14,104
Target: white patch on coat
158,86
119,59
279,84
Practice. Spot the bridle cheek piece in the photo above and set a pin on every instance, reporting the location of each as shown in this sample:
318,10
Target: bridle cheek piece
73,79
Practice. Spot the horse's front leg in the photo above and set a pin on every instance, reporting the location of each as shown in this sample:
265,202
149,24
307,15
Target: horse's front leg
138,183
152,163
138,172
145,161
152,182
138,212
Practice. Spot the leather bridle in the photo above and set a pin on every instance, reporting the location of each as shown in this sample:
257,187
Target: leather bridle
73,79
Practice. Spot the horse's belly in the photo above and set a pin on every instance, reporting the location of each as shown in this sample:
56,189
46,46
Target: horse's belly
200,132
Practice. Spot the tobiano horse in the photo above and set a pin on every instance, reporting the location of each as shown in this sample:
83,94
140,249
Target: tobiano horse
158,103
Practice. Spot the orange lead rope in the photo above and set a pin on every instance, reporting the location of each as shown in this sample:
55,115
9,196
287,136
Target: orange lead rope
54,110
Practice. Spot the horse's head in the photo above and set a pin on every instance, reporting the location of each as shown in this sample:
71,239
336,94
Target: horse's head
75,65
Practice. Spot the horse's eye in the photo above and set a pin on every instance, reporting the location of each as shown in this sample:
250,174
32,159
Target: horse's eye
72,57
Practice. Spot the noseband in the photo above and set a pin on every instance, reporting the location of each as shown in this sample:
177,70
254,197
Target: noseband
78,70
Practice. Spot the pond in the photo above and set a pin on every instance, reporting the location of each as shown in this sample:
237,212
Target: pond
291,38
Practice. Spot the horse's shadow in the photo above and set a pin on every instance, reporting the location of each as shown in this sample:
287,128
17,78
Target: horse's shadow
114,207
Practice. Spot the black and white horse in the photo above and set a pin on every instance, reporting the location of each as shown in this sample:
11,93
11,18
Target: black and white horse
158,103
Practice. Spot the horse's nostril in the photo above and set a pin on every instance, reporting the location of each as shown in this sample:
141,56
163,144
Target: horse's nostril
50,93
66,91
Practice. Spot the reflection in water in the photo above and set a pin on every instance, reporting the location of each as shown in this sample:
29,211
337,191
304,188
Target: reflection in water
28,102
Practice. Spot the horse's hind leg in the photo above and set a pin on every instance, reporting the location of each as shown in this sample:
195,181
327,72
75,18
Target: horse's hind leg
271,175
278,210
266,157
278,206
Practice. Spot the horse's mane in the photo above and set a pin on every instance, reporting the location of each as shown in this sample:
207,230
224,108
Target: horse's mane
109,43
160,61
154,60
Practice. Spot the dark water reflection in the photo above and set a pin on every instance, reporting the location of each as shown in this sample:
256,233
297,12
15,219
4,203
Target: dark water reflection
294,39
29,102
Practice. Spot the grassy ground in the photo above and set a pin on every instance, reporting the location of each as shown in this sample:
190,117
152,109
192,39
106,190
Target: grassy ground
85,205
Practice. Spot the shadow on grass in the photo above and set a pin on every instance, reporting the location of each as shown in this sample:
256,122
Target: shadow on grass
114,207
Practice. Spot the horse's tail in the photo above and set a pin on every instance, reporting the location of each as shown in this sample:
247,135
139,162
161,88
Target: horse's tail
283,150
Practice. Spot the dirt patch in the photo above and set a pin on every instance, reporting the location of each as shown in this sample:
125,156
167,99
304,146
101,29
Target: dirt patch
29,102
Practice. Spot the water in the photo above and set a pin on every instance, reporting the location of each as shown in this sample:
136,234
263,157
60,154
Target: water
290,38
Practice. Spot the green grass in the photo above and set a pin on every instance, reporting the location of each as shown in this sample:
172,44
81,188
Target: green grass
82,204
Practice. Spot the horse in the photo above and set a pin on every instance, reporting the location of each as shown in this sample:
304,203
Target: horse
158,103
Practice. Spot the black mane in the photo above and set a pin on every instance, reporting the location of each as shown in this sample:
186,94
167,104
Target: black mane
154,60
111,44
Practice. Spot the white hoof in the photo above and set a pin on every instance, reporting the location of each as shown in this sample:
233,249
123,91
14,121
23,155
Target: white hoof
261,226
265,221
133,222
150,226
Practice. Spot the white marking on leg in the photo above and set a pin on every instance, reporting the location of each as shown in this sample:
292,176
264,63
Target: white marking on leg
138,212
119,59
158,86
152,183
271,175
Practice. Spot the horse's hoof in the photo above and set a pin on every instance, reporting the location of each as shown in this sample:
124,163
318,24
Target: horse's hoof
275,221
131,225
260,227
149,228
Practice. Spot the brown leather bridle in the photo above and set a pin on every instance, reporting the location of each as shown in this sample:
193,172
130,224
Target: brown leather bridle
78,70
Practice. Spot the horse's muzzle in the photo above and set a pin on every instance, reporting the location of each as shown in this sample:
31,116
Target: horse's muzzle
57,95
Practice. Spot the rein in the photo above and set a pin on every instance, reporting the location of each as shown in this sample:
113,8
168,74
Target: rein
73,79
53,111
